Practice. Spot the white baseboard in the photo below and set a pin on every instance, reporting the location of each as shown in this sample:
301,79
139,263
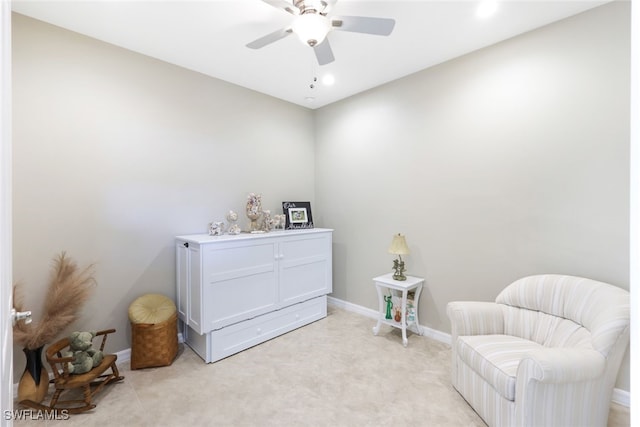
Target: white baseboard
354,308
373,314
621,397
123,356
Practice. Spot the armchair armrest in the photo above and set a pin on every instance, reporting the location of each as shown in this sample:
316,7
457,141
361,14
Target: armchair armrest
550,379
475,318
561,365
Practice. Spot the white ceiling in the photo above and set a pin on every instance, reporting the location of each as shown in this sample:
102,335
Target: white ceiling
209,36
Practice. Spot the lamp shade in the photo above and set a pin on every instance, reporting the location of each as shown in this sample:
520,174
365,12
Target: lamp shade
399,245
311,28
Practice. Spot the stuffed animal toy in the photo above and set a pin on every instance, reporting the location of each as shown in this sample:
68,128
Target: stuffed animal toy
85,357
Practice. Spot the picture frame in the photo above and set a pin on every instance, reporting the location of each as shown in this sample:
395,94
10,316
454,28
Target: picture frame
297,215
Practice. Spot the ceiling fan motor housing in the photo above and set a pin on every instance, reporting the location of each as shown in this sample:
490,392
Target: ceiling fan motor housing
311,6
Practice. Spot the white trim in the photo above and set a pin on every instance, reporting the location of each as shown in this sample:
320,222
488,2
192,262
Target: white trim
373,314
634,226
6,304
621,397
354,308
123,356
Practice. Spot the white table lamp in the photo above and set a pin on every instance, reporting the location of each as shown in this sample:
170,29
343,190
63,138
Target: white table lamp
399,247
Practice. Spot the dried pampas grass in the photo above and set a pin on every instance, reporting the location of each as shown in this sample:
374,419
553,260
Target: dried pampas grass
69,289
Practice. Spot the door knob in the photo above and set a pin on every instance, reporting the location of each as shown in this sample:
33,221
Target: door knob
20,315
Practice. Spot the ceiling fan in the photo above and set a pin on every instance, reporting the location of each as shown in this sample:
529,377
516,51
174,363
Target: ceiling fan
311,24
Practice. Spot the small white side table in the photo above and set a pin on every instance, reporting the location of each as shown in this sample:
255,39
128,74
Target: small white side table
386,282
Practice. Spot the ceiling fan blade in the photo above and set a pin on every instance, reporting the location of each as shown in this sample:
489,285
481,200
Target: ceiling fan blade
284,5
269,38
323,51
364,24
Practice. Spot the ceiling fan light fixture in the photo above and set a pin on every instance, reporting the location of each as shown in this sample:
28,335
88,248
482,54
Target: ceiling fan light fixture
311,28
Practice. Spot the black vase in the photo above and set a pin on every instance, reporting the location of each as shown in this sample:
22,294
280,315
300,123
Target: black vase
34,382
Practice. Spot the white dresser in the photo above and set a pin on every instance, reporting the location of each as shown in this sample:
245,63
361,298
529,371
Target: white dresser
234,292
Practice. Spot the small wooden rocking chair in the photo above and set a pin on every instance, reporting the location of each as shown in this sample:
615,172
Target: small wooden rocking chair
90,382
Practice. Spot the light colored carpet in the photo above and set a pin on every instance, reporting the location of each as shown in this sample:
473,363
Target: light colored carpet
334,372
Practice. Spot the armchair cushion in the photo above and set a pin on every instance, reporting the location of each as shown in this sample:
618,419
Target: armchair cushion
495,358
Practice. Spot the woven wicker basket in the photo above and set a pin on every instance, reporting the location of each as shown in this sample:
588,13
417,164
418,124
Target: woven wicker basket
154,344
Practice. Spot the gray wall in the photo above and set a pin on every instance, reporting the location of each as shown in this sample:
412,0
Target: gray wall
510,161
116,153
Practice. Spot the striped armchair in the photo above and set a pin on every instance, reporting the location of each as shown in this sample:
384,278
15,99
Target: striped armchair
545,353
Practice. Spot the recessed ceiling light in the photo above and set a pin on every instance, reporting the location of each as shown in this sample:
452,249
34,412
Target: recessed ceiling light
328,79
486,8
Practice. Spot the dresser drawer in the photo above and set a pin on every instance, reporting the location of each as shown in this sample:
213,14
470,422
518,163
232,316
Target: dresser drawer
240,336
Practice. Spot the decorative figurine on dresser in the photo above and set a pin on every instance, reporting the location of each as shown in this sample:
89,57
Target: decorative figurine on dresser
237,291
254,211
216,228
234,228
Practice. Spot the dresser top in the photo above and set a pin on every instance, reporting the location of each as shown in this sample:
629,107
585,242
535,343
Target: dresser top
205,238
